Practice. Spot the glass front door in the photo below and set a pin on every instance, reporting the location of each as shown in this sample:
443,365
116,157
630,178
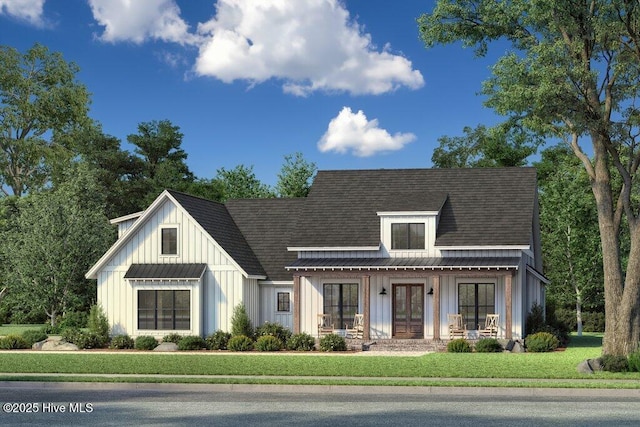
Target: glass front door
408,311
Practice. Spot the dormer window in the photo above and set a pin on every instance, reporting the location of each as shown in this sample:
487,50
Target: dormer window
407,236
169,241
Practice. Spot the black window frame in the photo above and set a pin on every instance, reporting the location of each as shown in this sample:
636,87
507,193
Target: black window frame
169,244
283,305
157,315
474,314
410,240
342,312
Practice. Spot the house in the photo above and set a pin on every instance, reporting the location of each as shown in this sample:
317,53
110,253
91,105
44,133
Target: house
405,247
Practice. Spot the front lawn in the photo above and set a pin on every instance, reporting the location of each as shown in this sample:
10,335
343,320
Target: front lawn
557,365
10,328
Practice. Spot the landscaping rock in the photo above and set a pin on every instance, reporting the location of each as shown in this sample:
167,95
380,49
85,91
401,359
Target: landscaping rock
55,343
584,367
514,346
166,346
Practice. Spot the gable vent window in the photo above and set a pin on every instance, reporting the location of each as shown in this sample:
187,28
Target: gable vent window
407,236
169,241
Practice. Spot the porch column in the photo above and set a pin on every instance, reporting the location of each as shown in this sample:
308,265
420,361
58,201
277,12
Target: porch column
296,304
509,306
436,307
366,306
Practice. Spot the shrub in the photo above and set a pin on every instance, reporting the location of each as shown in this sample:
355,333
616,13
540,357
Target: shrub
240,343
301,342
535,319
13,342
122,342
240,322
146,342
593,322
84,339
33,336
488,345
274,329
614,363
541,342
174,338
192,342
459,345
634,361
73,319
333,342
218,340
268,343
98,324
536,323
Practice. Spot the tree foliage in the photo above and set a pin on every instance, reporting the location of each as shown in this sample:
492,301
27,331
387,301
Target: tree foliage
295,177
572,73
39,97
242,183
56,236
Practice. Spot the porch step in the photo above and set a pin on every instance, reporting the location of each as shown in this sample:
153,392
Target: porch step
398,345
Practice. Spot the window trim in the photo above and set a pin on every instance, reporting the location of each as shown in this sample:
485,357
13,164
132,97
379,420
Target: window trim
155,309
407,225
337,322
161,238
476,282
288,302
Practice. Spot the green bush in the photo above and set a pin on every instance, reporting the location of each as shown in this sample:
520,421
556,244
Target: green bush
33,336
84,339
174,338
614,363
122,342
488,345
240,343
192,342
274,329
301,342
146,342
459,345
73,319
13,342
593,321
240,322
218,340
536,323
98,323
541,342
634,361
535,319
333,342
268,343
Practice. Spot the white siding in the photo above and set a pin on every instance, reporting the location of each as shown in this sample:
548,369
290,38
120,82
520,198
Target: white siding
223,285
269,304
429,231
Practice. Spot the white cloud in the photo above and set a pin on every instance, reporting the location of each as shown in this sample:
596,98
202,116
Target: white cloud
140,20
309,44
353,132
26,10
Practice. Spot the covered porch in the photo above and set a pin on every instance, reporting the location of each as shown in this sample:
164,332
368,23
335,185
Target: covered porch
407,298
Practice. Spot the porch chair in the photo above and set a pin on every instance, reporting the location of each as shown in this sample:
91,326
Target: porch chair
325,326
490,329
457,328
357,331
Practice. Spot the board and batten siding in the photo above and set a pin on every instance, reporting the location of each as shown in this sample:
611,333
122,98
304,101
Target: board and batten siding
222,287
269,304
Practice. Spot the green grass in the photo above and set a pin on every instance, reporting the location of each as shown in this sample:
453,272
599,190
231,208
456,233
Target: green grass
17,328
476,369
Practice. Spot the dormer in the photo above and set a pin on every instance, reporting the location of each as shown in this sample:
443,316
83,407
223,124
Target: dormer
408,234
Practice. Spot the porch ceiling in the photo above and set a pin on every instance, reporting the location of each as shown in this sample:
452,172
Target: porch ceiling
394,264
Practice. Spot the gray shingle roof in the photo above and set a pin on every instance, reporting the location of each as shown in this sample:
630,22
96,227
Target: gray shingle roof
215,219
483,207
165,271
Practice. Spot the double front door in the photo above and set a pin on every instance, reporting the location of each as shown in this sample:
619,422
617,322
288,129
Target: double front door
408,311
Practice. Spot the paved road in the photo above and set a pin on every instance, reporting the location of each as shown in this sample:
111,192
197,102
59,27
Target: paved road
235,405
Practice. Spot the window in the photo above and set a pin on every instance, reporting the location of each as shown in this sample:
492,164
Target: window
169,241
341,302
284,303
475,301
165,310
407,236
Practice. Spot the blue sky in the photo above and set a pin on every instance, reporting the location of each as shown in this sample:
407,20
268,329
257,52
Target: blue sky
349,84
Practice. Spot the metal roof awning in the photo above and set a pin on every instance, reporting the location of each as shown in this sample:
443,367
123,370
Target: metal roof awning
165,271
393,264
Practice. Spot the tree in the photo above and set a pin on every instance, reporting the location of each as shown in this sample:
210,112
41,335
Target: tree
158,145
39,96
295,177
58,235
501,146
242,183
569,222
572,73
